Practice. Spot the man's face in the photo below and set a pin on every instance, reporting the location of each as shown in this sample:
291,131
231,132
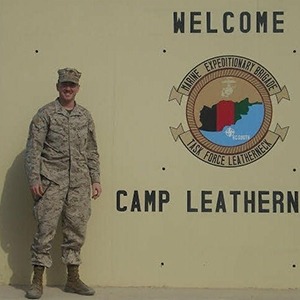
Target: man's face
67,91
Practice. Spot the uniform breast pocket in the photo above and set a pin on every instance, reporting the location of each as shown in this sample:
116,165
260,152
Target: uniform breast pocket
57,134
82,135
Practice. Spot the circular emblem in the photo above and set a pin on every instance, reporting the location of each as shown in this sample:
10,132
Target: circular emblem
229,111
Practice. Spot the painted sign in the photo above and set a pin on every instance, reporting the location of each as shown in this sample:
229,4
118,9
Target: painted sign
229,111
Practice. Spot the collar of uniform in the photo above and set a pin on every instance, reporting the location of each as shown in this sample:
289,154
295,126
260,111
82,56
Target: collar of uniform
61,110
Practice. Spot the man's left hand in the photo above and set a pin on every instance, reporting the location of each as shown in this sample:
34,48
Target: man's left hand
96,190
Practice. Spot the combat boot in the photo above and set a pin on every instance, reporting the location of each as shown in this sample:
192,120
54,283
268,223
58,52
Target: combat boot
36,288
75,285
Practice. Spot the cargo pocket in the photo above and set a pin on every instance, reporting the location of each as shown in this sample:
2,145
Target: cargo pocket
45,184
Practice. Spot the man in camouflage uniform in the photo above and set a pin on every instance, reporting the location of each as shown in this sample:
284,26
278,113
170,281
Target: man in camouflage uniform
62,165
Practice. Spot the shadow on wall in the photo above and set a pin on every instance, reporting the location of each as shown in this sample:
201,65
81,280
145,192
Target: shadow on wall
17,227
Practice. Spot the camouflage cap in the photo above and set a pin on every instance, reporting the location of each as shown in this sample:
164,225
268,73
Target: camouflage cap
68,75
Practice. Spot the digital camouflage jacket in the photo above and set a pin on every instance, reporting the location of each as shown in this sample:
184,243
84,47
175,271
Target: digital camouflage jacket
62,146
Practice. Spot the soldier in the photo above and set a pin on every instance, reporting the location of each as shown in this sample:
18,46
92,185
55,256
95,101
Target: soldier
62,165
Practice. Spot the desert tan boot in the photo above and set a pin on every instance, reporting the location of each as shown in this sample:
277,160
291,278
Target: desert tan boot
75,285
36,288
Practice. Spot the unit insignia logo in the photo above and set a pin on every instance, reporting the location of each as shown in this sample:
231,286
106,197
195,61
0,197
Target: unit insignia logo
229,111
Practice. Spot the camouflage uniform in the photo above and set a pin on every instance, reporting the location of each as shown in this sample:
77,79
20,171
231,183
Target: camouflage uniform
61,153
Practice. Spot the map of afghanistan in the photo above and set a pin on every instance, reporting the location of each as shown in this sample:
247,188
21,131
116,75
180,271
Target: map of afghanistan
243,118
224,113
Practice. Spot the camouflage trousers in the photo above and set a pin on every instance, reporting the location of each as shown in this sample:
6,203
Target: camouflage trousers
74,206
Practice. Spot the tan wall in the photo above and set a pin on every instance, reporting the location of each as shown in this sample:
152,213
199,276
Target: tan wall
127,78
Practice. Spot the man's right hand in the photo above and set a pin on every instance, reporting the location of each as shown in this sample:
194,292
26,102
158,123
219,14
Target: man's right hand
37,191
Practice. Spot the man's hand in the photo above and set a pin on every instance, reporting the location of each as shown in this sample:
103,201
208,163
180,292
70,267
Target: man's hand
37,191
96,190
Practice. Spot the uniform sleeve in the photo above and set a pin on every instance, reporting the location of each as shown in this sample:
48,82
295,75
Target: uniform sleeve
92,153
37,134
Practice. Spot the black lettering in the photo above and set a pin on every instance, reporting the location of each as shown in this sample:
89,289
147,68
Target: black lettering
208,24
178,23
250,201
261,21
205,201
119,207
189,203
262,201
235,194
163,198
225,22
136,204
192,141
245,22
195,22
149,200
278,201
292,202
221,203
277,22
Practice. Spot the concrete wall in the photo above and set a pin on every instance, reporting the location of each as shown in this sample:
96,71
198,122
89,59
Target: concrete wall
131,58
